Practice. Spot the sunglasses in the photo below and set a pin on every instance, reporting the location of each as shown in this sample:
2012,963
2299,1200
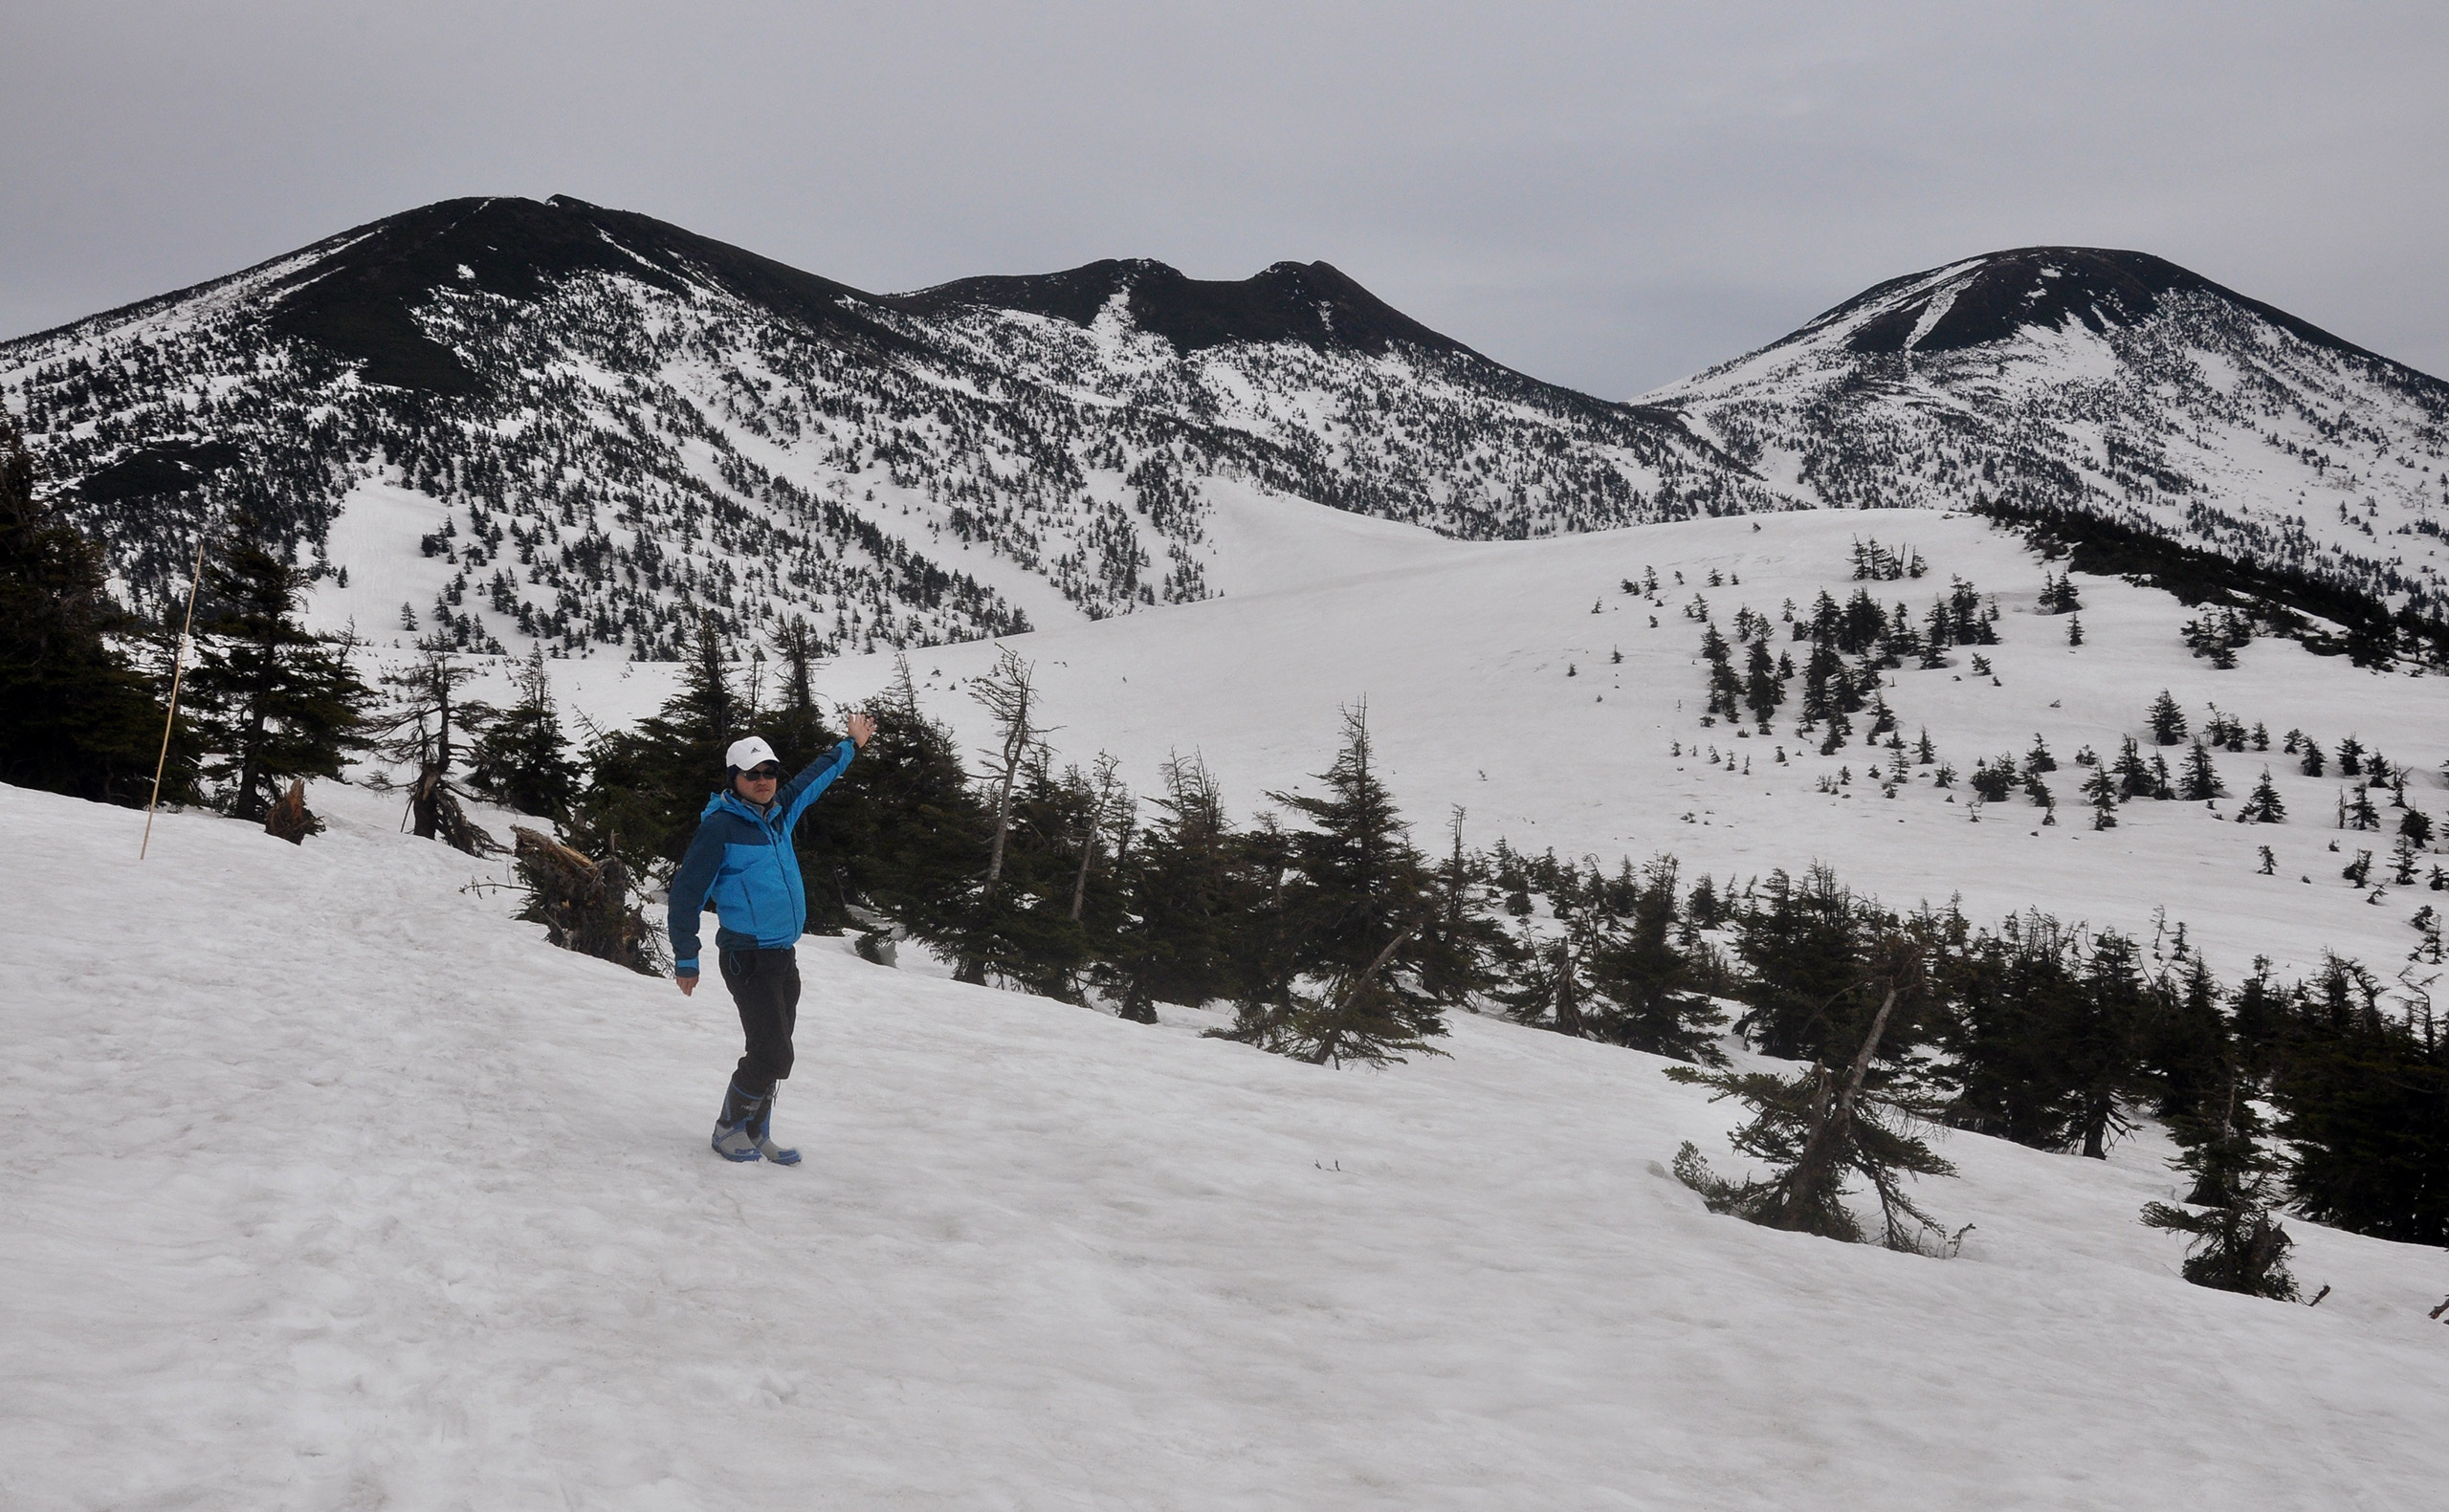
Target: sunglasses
768,772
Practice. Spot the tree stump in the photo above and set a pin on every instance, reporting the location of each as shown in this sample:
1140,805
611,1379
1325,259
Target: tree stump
289,816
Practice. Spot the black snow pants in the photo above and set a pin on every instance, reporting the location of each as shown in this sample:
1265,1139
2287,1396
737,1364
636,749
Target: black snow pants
765,984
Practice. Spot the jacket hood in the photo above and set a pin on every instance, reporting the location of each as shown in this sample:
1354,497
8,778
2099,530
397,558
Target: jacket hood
716,803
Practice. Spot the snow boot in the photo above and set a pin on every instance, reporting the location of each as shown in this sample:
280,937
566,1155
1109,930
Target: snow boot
732,1139
761,1131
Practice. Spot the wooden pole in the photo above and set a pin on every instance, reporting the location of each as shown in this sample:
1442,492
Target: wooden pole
178,671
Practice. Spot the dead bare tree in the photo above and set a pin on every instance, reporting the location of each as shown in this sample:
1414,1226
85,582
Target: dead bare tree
1009,695
1106,803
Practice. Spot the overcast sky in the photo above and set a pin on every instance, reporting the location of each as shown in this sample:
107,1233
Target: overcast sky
1609,196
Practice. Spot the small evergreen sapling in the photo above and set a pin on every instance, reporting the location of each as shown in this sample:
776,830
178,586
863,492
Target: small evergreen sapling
2100,790
2201,777
2264,804
2167,721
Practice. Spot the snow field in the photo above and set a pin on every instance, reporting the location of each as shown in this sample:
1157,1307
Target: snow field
327,1185
1460,651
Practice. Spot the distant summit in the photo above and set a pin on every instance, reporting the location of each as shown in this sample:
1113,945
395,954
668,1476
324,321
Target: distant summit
358,292
2072,384
1313,303
1994,297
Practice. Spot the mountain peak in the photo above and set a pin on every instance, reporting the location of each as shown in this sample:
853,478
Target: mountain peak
2000,295
1315,304
1993,298
356,299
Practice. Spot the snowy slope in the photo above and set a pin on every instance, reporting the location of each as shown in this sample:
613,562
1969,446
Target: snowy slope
1461,649
2112,383
328,1186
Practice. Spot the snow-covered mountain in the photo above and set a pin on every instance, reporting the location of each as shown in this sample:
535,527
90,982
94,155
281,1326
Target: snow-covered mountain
2114,385
517,421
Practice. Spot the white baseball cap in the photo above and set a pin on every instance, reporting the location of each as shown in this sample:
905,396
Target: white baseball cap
746,754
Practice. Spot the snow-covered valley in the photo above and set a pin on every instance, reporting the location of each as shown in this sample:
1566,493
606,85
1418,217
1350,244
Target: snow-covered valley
328,1185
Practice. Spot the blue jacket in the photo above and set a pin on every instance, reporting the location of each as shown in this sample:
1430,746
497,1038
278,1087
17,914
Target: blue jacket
743,863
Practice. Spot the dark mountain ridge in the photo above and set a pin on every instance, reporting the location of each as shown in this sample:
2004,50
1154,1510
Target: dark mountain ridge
1313,303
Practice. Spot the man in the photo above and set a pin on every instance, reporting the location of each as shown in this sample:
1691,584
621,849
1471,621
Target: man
743,863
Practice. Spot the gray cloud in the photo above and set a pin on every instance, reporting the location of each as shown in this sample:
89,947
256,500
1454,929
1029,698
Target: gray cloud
1610,196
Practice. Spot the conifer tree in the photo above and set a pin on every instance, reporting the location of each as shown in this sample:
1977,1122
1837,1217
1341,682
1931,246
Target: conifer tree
2264,804
2363,1094
648,786
1802,948
1822,674
1549,987
2237,1245
427,729
2184,1044
1464,950
2134,774
2360,814
2166,719
1646,986
521,759
1028,934
1763,692
1008,694
273,702
2201,777
2101,791
1357,901
74,717
2099,1044
903,834
2009,992
1179,888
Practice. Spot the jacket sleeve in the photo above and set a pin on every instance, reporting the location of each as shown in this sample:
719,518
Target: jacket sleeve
689,886
810,785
